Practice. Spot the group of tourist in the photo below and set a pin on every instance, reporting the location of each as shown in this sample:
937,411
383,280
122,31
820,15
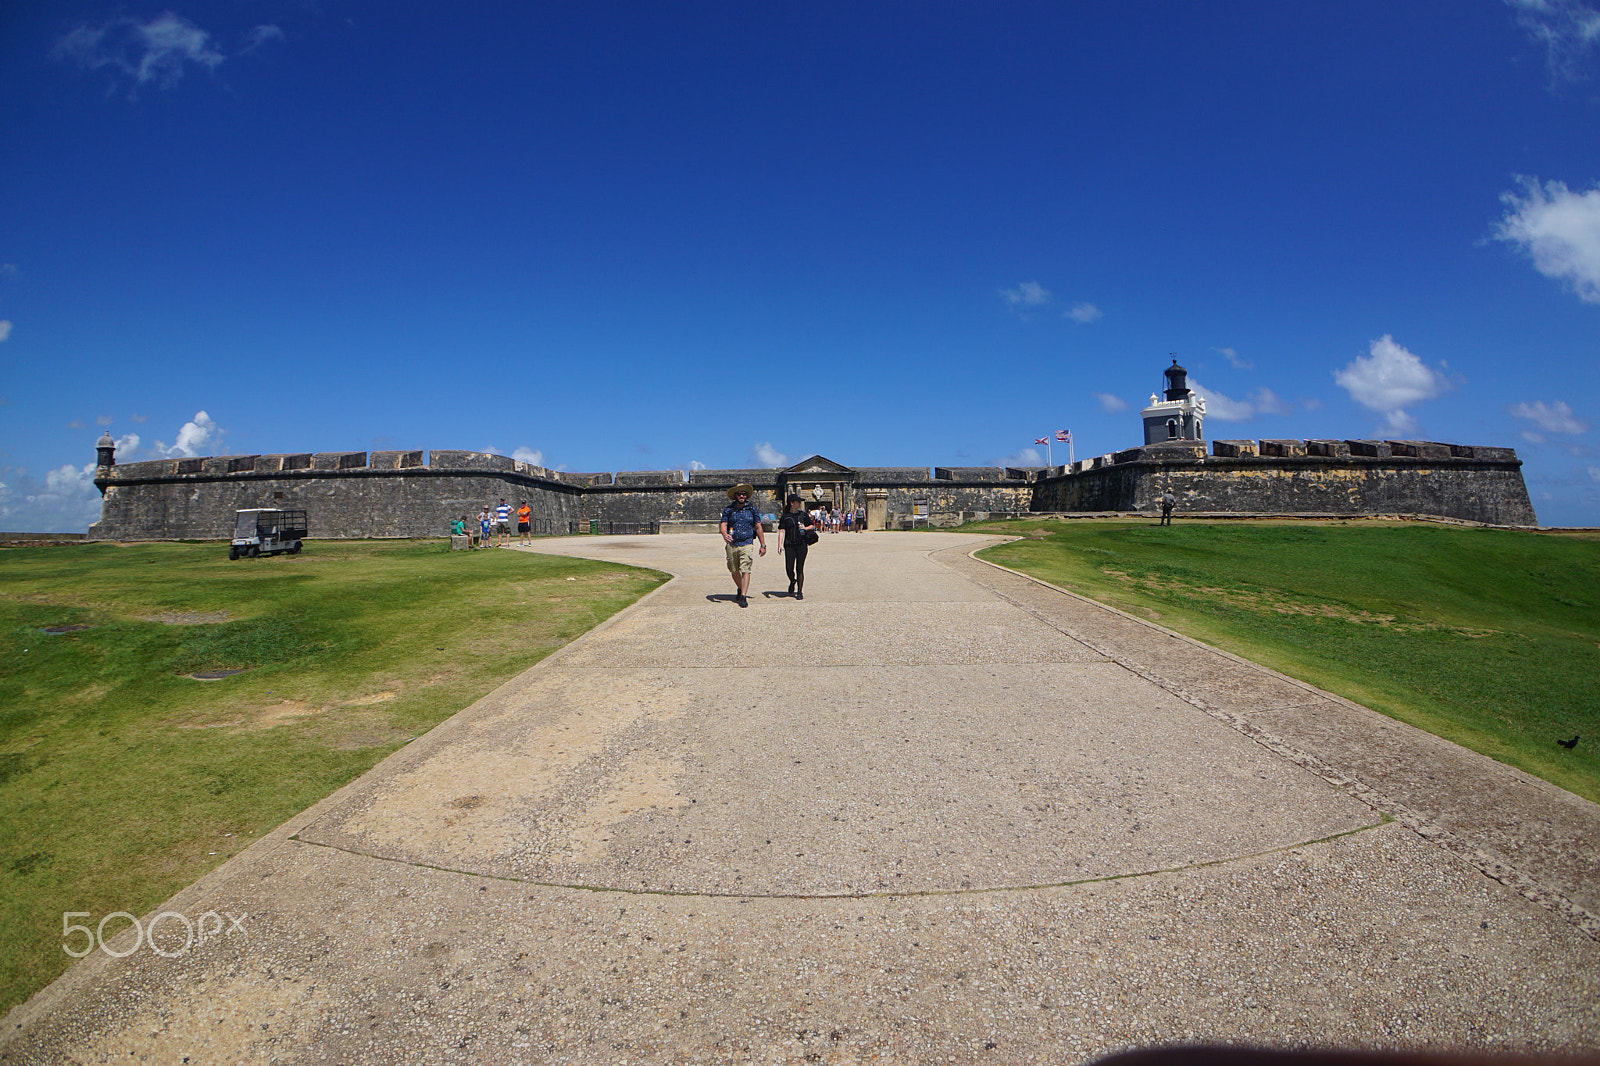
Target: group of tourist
846,521
798,529
494,522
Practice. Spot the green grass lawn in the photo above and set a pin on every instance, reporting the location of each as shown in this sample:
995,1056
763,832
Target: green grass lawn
1490,638
122,779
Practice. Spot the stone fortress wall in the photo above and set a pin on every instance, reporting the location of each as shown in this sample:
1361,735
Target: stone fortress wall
399,494
408,494
1472,483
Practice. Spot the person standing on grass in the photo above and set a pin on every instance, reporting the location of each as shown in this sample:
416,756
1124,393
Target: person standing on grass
485,527
741,528
502,523
1168,502
525,523
792,529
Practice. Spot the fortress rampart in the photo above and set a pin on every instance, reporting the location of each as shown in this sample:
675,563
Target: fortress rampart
408,494
1341,477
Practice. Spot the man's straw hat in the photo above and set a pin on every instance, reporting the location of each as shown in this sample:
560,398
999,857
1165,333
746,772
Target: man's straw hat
746,489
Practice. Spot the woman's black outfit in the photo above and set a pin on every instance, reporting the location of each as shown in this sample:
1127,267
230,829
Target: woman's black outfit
793,525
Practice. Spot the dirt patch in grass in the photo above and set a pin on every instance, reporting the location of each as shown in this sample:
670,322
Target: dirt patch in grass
1261,601
186,618
254,719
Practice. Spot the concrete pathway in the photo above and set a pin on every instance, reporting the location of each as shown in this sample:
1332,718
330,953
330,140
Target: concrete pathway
936,812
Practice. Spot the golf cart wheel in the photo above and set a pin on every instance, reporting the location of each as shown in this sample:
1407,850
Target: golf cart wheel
233,553
255,551
296,549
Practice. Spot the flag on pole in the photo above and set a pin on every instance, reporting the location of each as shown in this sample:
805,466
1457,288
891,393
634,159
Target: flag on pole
1064,436
1042,440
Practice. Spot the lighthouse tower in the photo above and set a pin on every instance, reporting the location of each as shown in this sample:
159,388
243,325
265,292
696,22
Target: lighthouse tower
1179,417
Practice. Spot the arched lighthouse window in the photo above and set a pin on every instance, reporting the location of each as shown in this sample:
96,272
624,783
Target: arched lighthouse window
1172,428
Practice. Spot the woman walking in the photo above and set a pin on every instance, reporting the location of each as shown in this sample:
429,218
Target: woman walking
795,525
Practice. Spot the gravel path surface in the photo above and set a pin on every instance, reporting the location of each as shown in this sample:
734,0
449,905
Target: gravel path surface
936,812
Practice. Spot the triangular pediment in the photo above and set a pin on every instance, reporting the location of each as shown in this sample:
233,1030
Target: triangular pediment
818,464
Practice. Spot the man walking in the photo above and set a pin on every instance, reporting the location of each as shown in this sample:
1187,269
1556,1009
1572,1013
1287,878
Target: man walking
741,528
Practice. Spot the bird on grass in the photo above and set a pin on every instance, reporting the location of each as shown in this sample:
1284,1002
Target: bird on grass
1568,744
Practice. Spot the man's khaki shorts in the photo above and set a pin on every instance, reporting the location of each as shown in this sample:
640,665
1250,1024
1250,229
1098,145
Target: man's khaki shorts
741,558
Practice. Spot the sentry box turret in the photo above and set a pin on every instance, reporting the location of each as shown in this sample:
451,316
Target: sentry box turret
265,531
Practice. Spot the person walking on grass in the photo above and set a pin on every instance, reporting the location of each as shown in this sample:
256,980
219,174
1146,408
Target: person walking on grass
741,528
793,530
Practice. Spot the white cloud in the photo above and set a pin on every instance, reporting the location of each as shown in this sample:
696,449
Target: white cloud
1397,424
1028,296
67,502
1259,401
159,50
695,464
1233,359
528,455
768,456
1568,30
259,36
1084,313
5,329
1388,380
197,437
1109,402
1026,457
1552,418
1559,230
1220,407
1270,403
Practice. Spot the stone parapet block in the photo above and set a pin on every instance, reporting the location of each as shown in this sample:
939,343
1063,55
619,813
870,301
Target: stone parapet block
586,480
395,460
1371,449
151,468
650,477
729,478
461,460
1235,449
972,472
338,460
1419,449
1329,449
890,475
1283,449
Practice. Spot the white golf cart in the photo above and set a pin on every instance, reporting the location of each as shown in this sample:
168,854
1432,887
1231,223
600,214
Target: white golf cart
267,531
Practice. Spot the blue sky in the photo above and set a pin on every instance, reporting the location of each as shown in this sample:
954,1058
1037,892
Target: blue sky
643,236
